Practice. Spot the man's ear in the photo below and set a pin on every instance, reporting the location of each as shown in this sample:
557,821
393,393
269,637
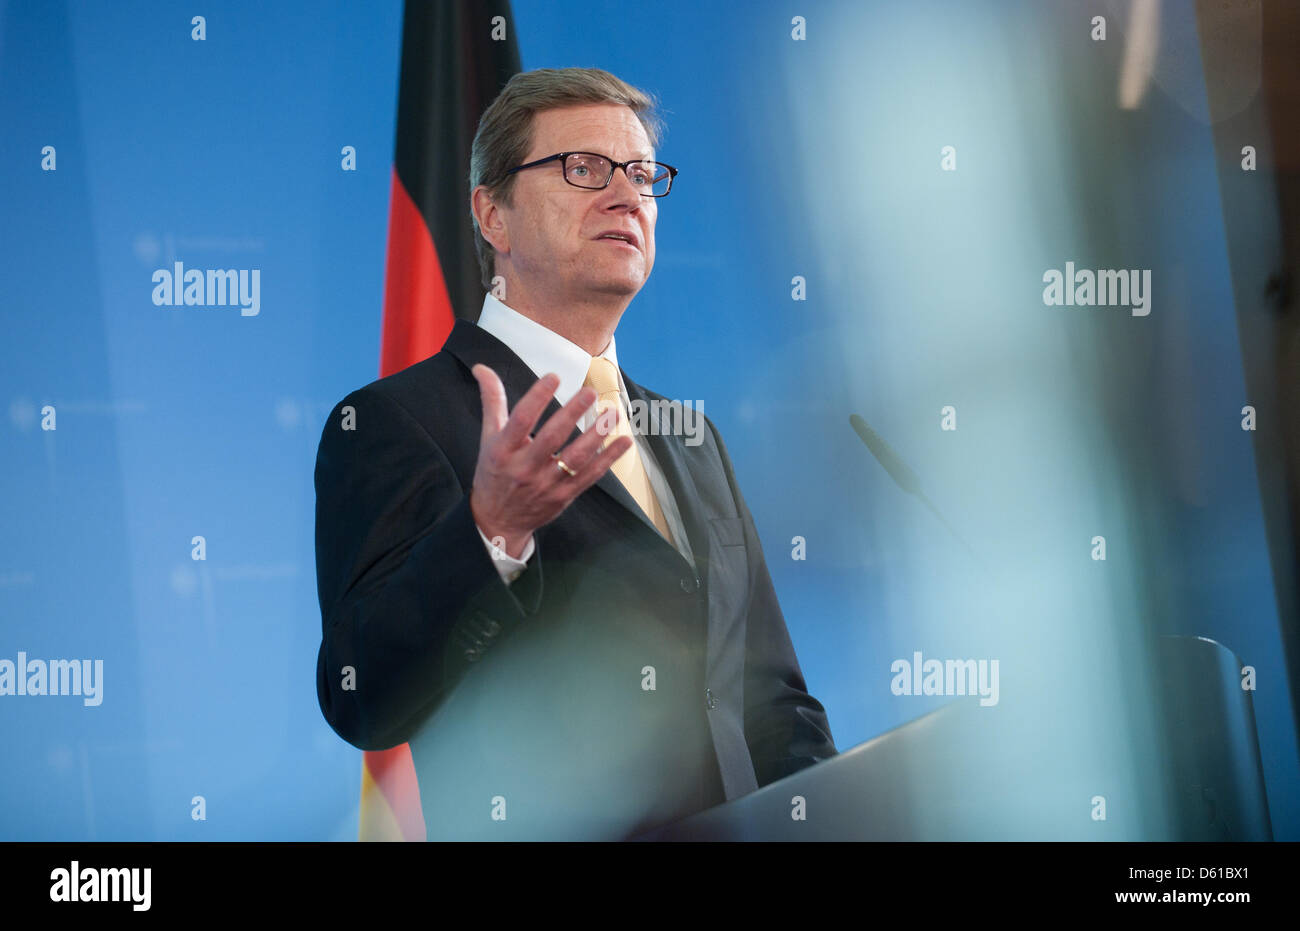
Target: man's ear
491,219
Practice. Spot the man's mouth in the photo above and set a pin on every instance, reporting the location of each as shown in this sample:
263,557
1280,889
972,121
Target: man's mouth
620,237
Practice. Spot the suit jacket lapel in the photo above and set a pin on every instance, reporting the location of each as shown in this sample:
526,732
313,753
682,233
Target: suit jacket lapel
673,457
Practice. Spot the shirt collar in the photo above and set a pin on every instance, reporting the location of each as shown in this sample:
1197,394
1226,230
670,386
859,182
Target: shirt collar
541,349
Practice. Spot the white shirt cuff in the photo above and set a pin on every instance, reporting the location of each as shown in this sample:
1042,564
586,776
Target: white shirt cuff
507,566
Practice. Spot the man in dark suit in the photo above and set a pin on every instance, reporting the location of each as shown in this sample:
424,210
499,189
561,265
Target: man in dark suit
570,622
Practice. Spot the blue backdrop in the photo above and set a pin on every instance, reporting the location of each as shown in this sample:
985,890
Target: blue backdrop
819,159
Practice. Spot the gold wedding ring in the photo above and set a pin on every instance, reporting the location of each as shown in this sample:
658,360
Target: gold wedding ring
560,464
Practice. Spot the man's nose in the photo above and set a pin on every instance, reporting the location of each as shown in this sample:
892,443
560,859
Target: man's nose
624,191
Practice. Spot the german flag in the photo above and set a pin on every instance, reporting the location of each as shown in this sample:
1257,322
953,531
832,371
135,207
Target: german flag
456,57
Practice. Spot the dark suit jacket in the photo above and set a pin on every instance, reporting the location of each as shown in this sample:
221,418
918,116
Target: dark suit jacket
611,688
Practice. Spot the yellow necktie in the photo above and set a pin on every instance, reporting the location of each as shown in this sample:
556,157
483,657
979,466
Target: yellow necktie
628,468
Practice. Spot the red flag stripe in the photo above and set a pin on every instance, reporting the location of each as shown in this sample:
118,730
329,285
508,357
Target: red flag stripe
417,312
417,319
452,66
393,774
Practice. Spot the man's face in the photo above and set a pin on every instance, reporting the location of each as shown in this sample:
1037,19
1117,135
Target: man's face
555,228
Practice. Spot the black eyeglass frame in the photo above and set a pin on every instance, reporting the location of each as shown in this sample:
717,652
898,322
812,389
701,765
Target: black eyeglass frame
562,157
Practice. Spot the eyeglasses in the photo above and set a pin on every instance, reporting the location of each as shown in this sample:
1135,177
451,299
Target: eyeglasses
594,172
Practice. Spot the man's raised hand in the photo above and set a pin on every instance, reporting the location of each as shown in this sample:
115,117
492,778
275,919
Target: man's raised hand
518,485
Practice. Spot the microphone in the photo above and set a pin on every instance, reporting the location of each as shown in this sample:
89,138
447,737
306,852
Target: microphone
903,475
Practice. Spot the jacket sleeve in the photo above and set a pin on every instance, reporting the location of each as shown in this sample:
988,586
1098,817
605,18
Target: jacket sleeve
409,596
786,728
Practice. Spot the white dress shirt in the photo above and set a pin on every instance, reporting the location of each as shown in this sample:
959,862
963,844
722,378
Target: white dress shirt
543,351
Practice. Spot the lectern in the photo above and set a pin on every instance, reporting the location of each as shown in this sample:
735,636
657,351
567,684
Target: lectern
966,772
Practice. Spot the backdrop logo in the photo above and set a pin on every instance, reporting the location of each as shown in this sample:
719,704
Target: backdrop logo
209,287
1106,287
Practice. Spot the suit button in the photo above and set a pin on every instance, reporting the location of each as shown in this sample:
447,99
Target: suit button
690,585
485,628
710,699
